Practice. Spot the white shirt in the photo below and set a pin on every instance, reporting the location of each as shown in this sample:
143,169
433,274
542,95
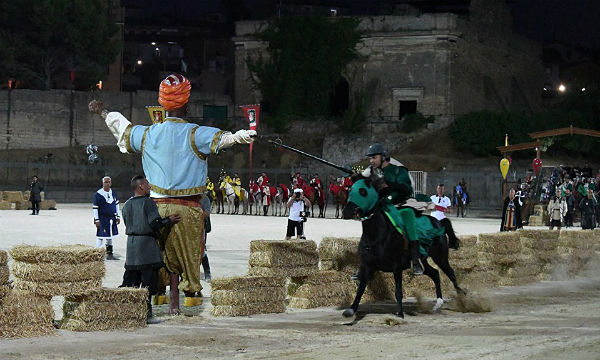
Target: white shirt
441,202
295,209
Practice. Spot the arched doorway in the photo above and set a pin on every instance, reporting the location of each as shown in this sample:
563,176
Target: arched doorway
340,98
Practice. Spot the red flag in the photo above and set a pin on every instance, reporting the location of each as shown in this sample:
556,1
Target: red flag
252,112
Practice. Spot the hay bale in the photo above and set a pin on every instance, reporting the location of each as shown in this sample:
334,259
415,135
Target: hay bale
50,272
122,295
541,256
246,296
48,204
465,258
4,291
580,239
325,288
3,258
248,309
480,279
12,196
283,271
339,253
80,325
26,195
246,282
49,289
265,253
467,241
501,243
536,220
5,205
4,274
24,314
539,239
42,195
90,312
63,254
22,205
266,259
498,259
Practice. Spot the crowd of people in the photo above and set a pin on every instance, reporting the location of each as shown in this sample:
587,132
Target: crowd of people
570,195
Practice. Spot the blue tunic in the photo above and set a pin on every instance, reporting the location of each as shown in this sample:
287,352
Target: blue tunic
174,155
106,208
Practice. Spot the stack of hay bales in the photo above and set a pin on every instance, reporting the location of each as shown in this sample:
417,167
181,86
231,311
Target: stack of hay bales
16,197
540,247
503,251
247,295
57,270
283,258
339,254
4,205
48,204
4,274
576,249
23,314
540,216
106,309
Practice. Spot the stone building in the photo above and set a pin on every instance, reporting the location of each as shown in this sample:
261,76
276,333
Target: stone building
441,64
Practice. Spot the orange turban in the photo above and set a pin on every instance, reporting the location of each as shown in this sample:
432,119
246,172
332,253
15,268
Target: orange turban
174,92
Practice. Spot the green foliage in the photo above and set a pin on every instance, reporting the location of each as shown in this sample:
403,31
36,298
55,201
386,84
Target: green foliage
414,122
480,132
354,118
306,58
43,38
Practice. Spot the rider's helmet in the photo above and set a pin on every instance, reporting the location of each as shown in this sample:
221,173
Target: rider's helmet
377,149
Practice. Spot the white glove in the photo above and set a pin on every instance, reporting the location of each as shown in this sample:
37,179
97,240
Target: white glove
240,137
244,136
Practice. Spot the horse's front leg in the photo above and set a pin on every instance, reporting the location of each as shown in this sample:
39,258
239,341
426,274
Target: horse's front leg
398,284
435,276
364,275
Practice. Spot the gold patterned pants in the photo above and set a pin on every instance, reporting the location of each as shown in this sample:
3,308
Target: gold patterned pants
182,244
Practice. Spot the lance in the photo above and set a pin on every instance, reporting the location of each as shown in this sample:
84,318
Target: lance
323,161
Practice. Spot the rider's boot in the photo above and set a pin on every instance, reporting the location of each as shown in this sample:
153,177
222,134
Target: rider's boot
415,256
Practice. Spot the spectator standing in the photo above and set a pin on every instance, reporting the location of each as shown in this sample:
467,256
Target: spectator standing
296,204
570,207
35,195
588,207
511,213
557,209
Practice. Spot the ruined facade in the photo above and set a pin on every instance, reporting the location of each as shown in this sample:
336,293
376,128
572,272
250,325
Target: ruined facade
440,64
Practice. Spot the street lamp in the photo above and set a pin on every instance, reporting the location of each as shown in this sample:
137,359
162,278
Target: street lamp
562,88
140,62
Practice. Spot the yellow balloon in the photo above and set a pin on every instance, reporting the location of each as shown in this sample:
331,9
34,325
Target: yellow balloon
504,164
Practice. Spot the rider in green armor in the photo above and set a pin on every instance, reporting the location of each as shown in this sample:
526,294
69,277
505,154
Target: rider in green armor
394,185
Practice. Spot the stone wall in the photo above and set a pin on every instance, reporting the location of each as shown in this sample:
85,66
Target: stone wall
34,119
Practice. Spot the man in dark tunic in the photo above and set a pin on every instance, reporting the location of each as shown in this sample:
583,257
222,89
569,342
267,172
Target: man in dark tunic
35,191
511,213
142,223
588,211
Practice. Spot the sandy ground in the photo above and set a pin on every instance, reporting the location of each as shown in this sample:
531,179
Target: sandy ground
549,320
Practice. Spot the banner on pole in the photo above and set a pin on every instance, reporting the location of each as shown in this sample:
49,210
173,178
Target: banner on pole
251,112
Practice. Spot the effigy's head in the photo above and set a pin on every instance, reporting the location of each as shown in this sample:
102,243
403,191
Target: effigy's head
174,92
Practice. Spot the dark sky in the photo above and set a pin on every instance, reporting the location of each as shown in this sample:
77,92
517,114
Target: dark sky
574,22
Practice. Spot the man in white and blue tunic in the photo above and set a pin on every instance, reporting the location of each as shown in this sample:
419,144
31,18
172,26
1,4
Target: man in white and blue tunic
107,216
174,159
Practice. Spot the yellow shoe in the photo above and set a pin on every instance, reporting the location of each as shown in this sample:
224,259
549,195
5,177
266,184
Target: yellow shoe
192,301
161,299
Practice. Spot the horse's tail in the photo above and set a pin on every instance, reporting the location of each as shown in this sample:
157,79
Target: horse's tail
453,240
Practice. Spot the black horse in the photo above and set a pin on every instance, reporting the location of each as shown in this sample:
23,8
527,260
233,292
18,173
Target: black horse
383,248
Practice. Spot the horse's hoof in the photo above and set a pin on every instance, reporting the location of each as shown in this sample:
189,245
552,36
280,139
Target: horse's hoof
399,314
348,313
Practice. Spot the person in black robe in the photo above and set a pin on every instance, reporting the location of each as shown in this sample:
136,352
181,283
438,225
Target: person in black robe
35,195
588,207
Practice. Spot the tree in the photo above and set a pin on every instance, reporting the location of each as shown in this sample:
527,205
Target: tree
306,58
42,39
